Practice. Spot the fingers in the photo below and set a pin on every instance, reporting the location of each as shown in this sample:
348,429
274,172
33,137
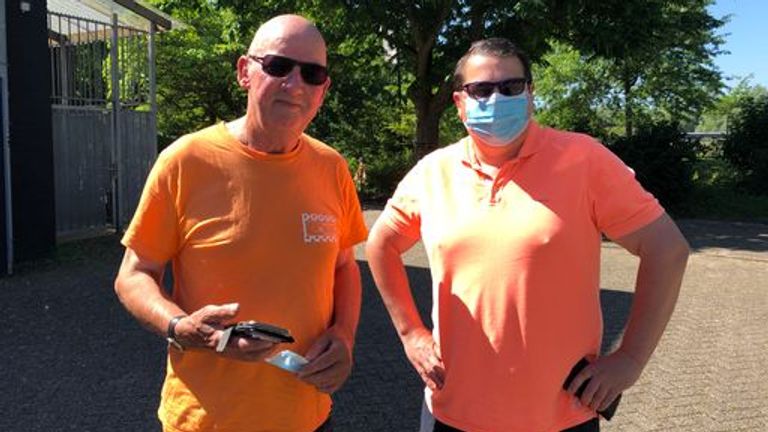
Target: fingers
201,328
318,347
433,377
246,349
580,379
608,400
216,314
330,363
608,376
431,370
424,355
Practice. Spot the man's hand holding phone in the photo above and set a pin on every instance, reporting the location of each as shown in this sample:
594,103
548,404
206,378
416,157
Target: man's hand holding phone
251,340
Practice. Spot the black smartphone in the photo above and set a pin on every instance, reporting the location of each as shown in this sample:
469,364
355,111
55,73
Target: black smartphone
581,364
262,331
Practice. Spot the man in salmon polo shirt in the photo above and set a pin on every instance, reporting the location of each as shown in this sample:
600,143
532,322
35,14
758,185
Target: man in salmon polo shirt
511,218
259,221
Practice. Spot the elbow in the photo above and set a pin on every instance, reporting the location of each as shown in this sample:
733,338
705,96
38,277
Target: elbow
119,286
671,250
675,253
681,250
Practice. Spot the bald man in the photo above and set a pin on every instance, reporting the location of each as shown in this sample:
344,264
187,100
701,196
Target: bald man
259,221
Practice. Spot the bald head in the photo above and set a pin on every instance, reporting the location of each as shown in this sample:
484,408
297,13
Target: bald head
290,34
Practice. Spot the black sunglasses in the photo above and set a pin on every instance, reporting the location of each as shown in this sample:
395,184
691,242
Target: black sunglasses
484,89
279,66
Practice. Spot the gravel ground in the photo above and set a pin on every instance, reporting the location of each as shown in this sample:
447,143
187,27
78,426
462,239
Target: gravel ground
73,359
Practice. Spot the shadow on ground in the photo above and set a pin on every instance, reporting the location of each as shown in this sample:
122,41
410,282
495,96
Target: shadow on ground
741,236
74,360
704,234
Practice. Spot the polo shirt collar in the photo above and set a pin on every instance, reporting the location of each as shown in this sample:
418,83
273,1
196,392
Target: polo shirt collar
532,145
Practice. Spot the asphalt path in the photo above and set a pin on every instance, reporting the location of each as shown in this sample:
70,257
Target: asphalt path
73,360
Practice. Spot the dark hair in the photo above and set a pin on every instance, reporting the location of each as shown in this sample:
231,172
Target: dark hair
493,47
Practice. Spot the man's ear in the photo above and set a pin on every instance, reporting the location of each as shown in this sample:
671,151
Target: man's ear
531,105
458,100
243,79
326,86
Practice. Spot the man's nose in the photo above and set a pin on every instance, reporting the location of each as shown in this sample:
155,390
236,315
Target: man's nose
294,79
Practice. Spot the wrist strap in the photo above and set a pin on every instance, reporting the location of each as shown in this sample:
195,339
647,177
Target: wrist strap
171,332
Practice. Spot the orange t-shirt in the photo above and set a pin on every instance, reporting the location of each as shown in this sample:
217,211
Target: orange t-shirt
515,268
259,229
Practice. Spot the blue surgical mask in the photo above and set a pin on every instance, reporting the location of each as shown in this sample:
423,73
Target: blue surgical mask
498,120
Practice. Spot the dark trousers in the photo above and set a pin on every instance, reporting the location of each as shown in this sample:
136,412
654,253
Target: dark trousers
589,426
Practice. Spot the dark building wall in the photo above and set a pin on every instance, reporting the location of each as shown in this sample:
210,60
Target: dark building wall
31,142
3,234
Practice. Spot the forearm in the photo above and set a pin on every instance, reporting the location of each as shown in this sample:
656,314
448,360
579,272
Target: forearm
392,282
347,293
658,284
139,290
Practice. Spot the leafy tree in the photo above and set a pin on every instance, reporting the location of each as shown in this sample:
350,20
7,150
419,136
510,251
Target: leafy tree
196,83
661,53
428,37
571,93
663,159
715,118
746,145
392,63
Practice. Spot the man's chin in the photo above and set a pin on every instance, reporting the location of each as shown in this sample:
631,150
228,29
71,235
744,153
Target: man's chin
490,143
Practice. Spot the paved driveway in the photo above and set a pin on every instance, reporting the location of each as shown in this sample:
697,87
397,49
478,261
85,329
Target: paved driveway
72,359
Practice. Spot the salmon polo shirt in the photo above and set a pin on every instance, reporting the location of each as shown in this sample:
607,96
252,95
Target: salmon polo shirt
515,263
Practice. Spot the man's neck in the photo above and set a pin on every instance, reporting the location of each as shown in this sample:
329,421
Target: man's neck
276,141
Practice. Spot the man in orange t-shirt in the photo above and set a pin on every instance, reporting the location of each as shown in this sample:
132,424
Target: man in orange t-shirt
511,218
259,221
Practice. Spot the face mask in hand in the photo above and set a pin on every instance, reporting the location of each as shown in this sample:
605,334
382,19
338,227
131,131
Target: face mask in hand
498,120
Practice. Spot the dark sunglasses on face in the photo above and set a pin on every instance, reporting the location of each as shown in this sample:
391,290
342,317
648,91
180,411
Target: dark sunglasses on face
279,67
484,89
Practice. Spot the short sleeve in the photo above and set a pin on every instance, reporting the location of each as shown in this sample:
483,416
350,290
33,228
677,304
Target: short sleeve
353,229
620,205
403,212
154,229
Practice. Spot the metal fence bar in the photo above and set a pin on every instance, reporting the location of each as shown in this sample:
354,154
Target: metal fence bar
101,73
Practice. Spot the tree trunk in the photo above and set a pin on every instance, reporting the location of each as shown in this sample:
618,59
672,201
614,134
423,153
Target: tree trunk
628,126
429,103
427,132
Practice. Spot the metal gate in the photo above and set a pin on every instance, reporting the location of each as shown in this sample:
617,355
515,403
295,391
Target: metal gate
104,127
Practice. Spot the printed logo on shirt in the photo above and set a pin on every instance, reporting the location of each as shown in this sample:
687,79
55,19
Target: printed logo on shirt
319,228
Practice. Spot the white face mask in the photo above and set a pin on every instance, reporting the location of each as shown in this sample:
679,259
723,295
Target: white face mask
498,120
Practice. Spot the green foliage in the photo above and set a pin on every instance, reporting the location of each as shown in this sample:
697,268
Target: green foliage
425,40
715,119
746,145
663,159
572,94
661,53
600,65
382,173
196,83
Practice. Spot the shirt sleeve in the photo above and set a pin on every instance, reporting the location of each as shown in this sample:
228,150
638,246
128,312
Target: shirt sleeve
403,210
154,229
620,205
353,230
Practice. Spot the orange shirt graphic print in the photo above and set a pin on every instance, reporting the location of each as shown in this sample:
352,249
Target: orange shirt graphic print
319,228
